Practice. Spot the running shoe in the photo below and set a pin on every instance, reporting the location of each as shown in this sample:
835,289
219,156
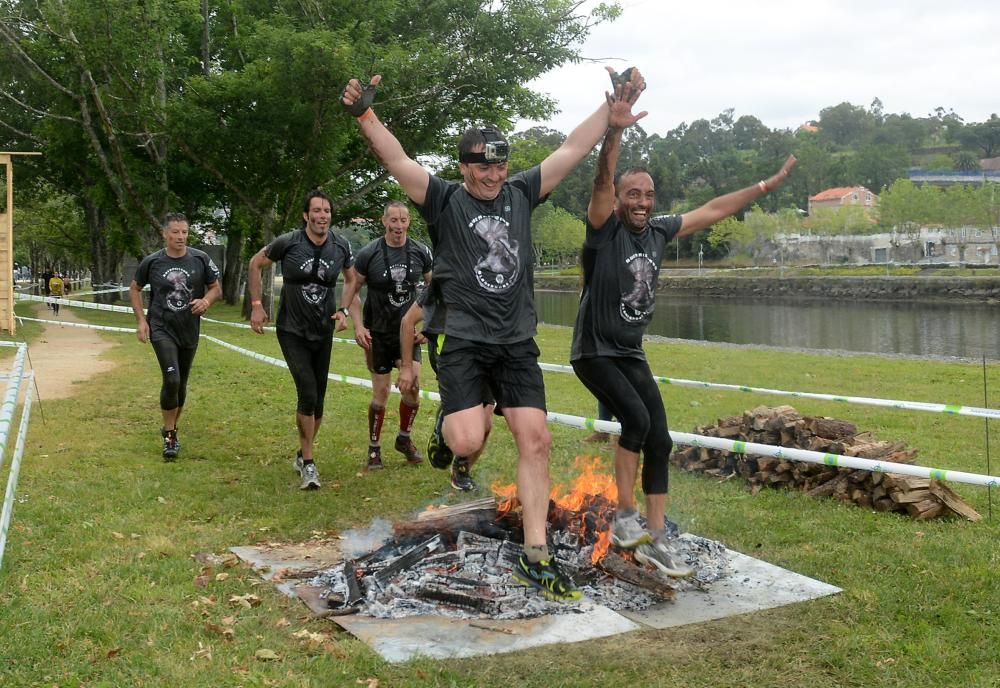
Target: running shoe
439,453
546,577
406,447
374,458
307,471
171,446
460,478
664,557
628,533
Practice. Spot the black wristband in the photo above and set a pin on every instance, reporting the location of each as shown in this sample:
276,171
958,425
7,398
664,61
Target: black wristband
358,107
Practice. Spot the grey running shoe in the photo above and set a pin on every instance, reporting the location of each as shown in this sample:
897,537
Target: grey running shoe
374,458
460,478
310,476
406,447
628,533
171,446
664,557
298,462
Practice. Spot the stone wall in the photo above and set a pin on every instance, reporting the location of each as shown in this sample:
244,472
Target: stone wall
974,289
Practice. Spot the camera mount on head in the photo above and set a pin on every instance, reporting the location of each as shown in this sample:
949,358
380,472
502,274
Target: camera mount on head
496,150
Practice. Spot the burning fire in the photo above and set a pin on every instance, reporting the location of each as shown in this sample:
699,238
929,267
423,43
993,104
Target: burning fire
591,500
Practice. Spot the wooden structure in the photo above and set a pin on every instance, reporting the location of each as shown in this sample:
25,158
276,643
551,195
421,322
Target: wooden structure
7,322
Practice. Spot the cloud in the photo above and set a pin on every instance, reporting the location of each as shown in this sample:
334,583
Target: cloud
783,62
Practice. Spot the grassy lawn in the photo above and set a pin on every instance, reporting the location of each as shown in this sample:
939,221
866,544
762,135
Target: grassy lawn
99,581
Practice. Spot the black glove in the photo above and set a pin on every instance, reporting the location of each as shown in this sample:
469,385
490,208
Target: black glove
621,79
358,107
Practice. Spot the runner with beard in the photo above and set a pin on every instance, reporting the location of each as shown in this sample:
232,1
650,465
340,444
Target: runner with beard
621,264
311,259
183,284
483,265
393,266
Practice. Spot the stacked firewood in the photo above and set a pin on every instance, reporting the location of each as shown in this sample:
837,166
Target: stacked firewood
921,498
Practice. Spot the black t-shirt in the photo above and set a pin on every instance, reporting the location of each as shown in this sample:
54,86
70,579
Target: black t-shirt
393,287
173,284
620,273
483,257
309,273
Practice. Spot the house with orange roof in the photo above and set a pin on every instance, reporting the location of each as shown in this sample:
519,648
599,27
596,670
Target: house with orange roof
843,195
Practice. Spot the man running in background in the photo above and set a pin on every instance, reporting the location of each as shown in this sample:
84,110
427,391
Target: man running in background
393,266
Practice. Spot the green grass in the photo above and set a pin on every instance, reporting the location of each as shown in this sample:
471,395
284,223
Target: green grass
98,585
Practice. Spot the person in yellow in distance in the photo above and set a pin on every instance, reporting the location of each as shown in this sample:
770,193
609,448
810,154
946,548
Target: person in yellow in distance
56,290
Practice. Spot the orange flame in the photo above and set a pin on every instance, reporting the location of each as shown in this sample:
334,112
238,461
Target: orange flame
593,493
506,497
601,547
592,481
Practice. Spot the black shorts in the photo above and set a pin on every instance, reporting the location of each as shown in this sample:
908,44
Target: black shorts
509,373
384,353
434,342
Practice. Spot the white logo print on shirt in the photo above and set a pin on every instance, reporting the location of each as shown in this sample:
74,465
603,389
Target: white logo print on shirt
497,270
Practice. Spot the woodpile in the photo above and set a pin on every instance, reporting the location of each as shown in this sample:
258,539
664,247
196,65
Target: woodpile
921,498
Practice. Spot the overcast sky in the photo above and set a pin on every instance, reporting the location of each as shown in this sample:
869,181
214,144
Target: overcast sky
784,61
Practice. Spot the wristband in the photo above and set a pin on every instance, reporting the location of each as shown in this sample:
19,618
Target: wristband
255,303
762,186
345,311
366,115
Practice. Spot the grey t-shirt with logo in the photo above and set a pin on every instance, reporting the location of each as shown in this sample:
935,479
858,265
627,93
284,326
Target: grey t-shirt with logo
483,258
309,274
620,272
173,284
393,287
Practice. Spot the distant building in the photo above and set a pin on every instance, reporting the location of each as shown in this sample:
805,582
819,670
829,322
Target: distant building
843,195
809,126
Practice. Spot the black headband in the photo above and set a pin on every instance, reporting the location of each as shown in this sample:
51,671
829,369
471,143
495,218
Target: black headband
496,150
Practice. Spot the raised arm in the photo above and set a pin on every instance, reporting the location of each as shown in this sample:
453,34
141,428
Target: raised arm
724,206
585,136
602,198
357,100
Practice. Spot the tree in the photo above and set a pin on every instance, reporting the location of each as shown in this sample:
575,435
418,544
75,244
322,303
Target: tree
557,235
846,124
984,136
178,103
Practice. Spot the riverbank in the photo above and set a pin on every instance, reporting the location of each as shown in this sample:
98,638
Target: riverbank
867,288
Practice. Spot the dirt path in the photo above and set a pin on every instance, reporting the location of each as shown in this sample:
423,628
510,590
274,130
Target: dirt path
63,356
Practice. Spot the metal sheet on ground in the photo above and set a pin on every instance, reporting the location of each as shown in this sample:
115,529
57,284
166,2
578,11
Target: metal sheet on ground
753,585
399,640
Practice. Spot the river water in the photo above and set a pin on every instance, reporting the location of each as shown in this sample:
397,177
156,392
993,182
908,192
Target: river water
919,329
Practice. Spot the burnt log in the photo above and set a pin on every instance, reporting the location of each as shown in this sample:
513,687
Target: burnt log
630,572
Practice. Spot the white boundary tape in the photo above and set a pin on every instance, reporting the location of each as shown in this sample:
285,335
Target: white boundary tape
886,403
701,441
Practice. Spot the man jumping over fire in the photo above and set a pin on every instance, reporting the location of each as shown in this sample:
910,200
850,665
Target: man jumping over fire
621,262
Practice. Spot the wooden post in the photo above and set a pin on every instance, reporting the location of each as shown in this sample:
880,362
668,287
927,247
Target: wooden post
7,322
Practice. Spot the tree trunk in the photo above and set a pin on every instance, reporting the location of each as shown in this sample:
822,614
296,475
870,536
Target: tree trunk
104,259
267,274
232,275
